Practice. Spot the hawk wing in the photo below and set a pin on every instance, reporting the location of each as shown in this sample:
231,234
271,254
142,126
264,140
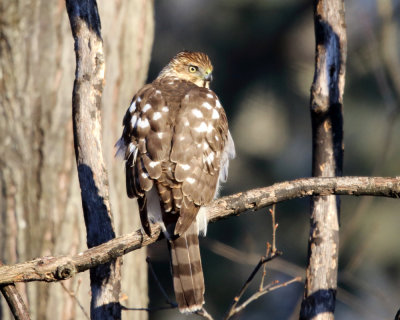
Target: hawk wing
175,138
145,145
200,136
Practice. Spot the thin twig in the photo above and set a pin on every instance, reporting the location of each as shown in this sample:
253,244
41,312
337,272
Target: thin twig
262,261
246,258
203,313
274,227
271,252
167,299
268,288
73,297
171,305
123,308
267,253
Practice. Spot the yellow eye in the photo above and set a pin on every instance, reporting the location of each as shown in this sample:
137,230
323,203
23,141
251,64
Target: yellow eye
193,69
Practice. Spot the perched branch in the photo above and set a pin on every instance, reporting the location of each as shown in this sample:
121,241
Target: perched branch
63,267
259,198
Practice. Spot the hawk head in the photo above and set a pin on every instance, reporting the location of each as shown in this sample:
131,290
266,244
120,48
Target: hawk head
195,67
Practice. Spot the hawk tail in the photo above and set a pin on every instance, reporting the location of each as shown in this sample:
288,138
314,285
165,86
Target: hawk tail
187,271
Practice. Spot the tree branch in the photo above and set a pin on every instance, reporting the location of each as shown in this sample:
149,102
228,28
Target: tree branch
63,267
14,301
262,291
233,308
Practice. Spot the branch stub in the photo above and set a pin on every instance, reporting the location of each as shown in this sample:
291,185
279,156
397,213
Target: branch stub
65,271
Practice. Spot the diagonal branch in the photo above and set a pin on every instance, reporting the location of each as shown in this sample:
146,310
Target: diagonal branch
264,290
63,267
233,308
14,301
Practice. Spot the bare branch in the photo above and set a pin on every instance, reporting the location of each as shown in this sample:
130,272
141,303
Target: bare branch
123,308
75,299
264,274
14,301
274,227
259,198
203,313
167,299
263,260
268,288
63,267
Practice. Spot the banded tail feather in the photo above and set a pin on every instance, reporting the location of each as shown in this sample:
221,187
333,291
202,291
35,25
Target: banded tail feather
187,271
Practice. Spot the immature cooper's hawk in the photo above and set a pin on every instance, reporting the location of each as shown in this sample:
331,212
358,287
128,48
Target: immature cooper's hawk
177,146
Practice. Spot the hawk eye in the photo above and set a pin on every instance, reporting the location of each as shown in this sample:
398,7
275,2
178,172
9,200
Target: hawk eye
193,69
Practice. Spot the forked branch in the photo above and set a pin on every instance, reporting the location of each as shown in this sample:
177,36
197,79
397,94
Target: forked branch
271,253
234,309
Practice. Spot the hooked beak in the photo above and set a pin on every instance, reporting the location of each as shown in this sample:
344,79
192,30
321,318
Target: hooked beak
208,77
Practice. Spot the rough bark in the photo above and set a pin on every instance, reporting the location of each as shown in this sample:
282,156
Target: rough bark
105,279
327,134
37,172
40,205
14,301
128,38
52,269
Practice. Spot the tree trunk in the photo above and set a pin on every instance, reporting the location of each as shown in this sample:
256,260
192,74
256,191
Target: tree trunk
327,134
128,35
41,211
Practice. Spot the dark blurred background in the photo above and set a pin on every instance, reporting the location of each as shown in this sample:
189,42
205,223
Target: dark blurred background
263,56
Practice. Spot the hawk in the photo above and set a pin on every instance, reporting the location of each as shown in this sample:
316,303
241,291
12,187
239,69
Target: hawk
177,147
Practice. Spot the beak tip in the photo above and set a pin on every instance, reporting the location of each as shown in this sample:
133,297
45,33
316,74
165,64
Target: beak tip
209,77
